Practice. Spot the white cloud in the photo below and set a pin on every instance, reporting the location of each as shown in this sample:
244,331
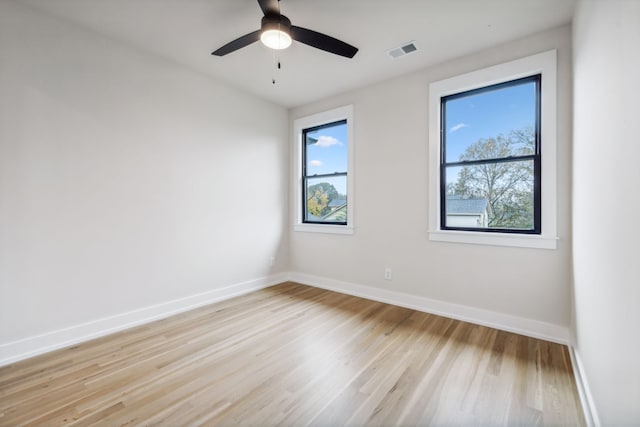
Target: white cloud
327,141
316,163
458,127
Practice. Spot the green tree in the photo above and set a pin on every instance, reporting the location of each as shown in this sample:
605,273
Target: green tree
507,186
319,196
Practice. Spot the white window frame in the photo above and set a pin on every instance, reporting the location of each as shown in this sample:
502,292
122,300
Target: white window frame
337,114
543,63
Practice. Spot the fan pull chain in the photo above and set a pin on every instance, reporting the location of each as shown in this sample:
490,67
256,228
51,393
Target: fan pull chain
278,66
273,56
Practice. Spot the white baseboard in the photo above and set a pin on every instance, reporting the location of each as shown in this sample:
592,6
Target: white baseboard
586,398
32,346
506,322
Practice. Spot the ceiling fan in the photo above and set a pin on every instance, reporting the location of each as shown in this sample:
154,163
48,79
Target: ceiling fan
277,32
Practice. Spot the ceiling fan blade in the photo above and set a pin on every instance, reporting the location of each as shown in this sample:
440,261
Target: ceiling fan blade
323,42
269,7
238,43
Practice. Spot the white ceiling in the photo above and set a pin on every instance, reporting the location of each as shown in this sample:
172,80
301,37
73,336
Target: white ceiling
187,31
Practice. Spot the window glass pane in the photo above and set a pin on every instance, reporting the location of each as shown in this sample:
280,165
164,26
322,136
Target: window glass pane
326,149
490,195
494,123
326,199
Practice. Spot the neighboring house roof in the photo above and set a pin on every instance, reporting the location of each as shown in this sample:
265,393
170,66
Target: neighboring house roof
459,206
339,214
336,203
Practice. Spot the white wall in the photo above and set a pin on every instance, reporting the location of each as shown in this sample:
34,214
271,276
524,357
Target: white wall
391,194
125,180
605,180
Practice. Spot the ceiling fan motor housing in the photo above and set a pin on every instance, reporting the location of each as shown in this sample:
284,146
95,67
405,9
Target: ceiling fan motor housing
276,31
276,22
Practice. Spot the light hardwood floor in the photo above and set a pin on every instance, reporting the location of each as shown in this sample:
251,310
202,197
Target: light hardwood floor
296,355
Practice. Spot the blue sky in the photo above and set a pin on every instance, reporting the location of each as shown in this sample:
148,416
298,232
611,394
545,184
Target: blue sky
488,114
328,155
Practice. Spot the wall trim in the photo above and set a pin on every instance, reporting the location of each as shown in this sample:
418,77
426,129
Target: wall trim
39,344
506,322
586,398
35,345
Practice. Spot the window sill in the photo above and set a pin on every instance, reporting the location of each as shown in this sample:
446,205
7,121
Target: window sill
495,239
323,228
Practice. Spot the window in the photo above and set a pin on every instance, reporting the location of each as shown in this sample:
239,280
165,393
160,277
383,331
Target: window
492,155
324,193
490,158
324,161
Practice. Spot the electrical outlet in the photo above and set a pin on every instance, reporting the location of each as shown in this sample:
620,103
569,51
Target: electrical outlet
272,260
387,274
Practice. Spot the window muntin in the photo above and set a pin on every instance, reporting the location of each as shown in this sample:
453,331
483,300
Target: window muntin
324,174
490,158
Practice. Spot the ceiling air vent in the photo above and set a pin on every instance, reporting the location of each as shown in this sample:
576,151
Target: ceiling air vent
403,50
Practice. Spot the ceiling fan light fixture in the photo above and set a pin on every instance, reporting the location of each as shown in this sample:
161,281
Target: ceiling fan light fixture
275,39
276,31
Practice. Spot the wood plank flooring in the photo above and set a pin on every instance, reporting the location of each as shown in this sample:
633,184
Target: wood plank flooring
294,355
